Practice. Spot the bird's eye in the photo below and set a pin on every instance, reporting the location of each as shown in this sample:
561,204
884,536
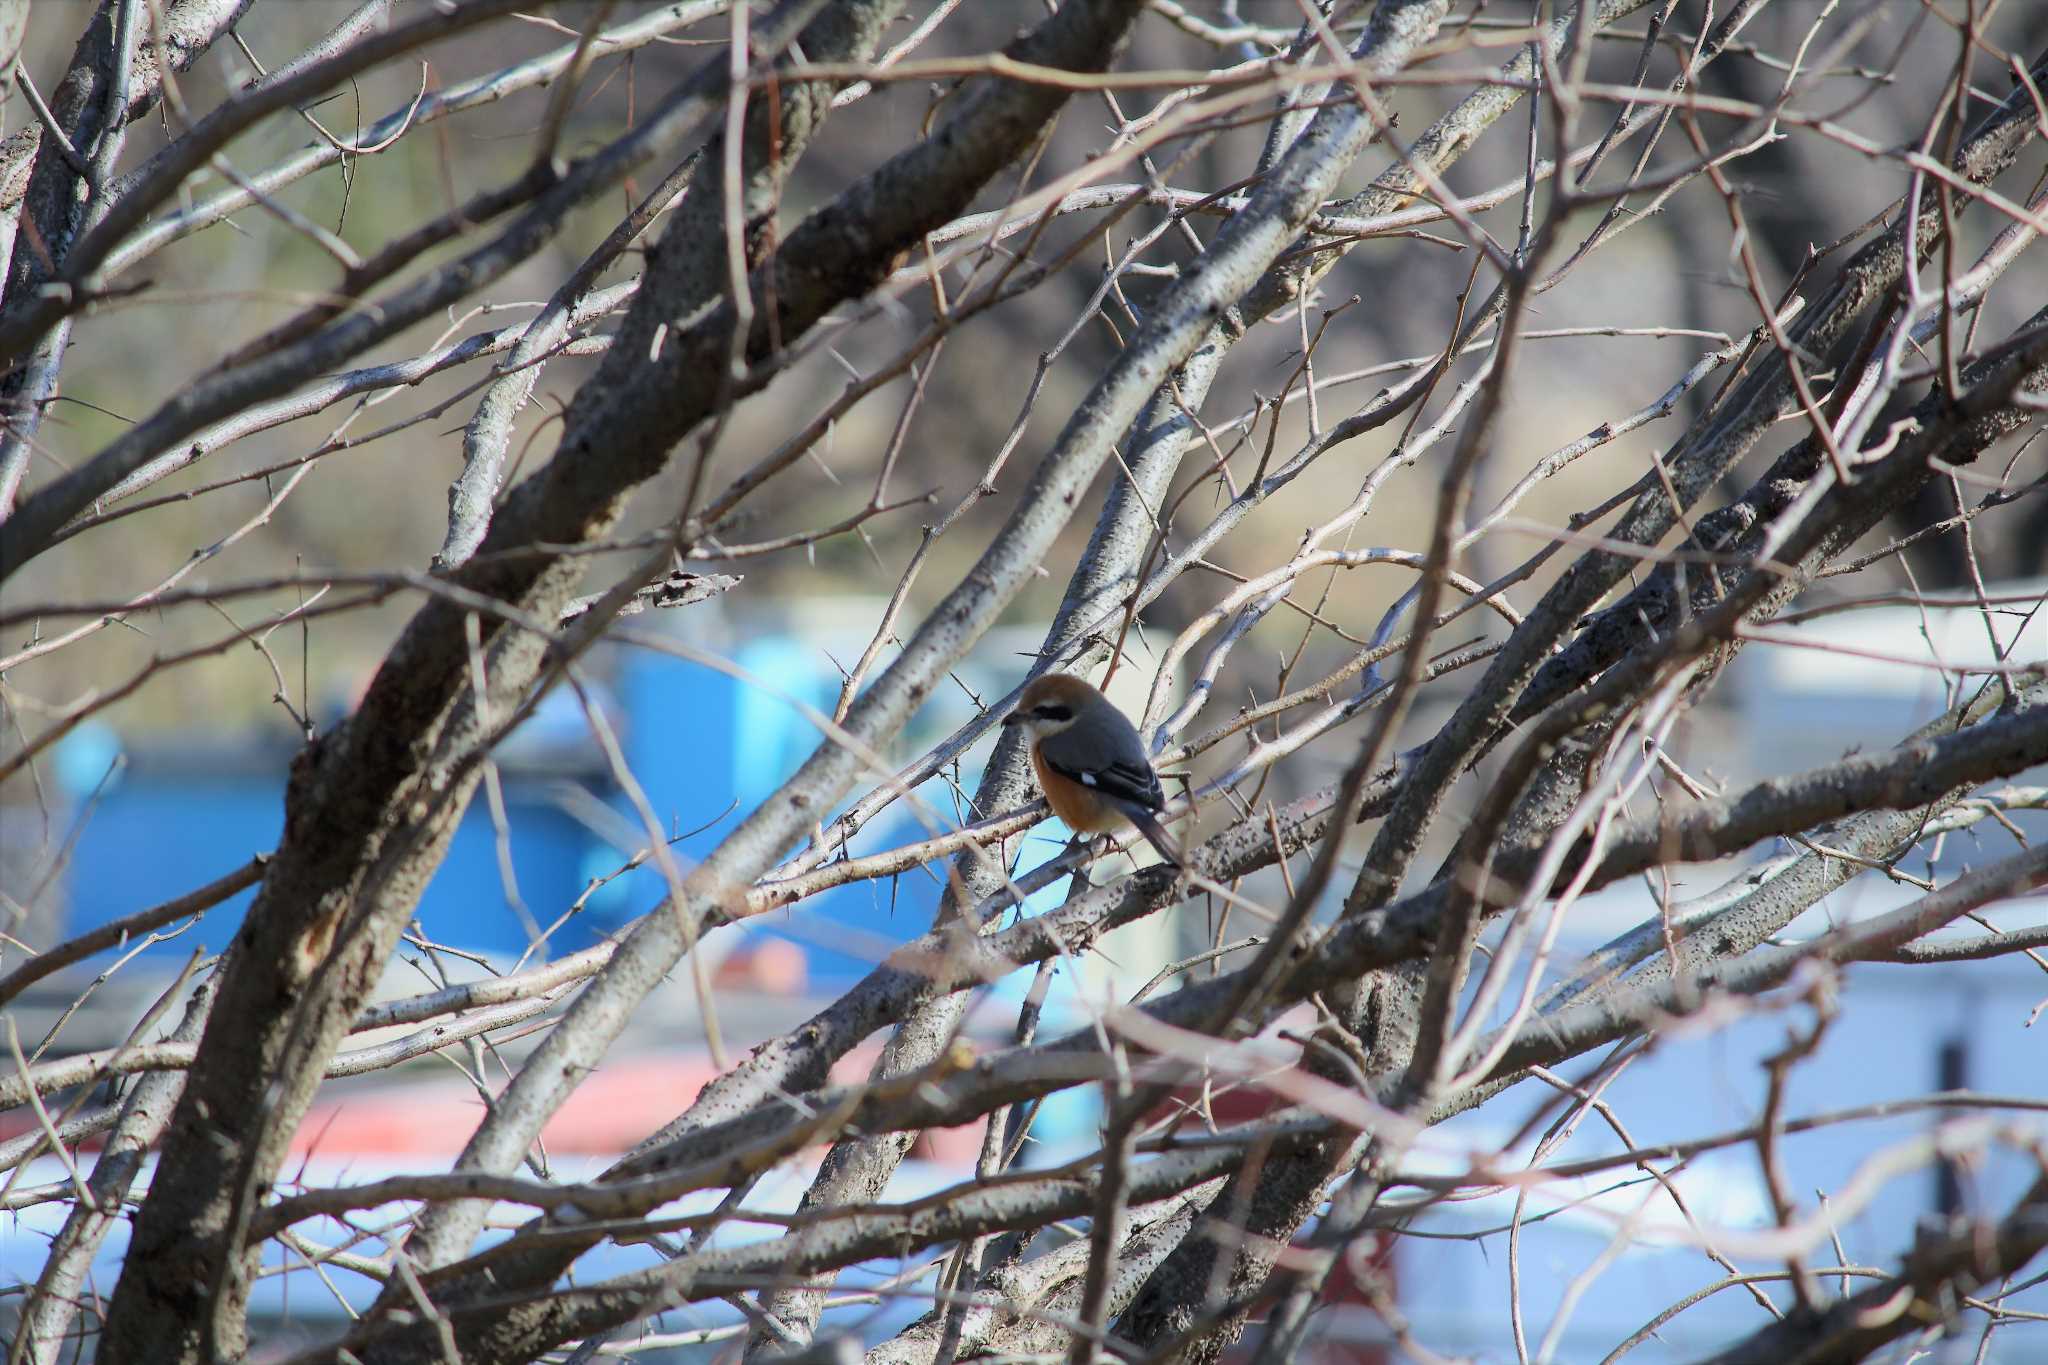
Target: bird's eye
1053,711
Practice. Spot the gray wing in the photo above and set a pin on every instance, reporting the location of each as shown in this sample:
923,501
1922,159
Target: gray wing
1124,781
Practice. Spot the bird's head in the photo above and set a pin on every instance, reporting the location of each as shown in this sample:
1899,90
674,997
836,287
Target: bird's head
1051,703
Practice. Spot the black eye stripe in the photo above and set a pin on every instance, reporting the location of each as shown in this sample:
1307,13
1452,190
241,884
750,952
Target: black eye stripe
1053,711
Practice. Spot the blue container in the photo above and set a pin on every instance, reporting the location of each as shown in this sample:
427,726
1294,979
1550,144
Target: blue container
703,746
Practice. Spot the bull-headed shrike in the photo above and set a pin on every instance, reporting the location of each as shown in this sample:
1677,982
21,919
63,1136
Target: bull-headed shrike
1090,761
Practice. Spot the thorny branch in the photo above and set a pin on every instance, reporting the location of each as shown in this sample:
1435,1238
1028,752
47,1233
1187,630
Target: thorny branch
1463,683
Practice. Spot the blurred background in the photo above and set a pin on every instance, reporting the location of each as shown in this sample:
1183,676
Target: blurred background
180,783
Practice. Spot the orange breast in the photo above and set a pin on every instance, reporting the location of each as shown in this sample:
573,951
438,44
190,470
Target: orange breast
1078,808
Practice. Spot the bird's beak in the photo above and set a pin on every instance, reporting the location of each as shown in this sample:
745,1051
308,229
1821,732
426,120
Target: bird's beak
1014,718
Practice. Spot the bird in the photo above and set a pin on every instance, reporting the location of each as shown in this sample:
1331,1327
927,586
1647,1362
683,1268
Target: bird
1090,762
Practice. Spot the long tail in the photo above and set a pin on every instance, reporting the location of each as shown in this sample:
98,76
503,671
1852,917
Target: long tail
1157,837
